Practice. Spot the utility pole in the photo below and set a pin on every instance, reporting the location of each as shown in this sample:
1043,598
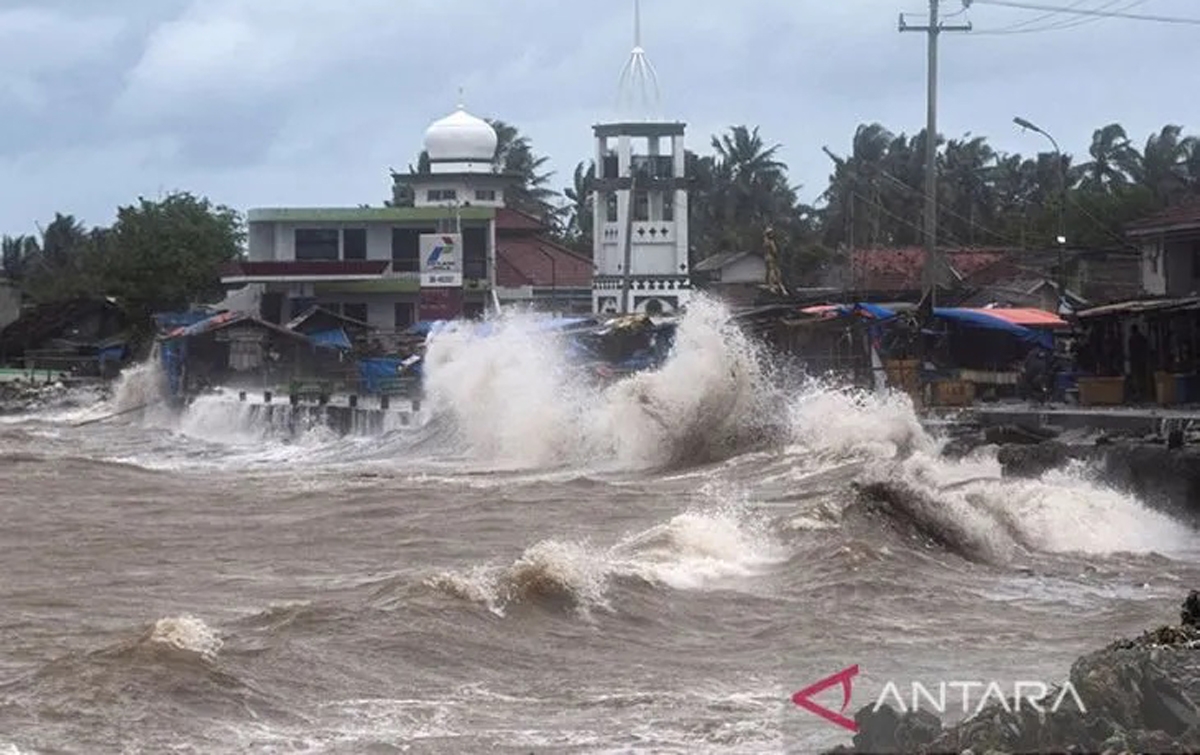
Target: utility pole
934,266
629,205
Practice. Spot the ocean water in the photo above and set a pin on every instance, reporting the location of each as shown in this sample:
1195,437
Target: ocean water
539,565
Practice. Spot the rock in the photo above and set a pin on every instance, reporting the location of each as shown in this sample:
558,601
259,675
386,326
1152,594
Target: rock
876,729
1139,695
1033,460
917,729
1190,615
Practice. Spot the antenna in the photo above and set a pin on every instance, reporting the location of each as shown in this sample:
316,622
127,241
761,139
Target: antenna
637,24
461,101
638,95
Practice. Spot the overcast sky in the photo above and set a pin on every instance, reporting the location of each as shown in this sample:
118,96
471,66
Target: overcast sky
309,102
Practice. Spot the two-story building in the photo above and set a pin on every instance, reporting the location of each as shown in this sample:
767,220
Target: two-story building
456,252
1169,242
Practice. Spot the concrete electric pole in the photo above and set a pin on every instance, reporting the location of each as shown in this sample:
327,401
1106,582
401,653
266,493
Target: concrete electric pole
935,267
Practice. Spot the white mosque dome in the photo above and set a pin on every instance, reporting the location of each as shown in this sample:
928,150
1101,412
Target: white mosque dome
461,137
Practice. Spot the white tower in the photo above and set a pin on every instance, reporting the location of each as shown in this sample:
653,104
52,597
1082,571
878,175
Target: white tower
640,199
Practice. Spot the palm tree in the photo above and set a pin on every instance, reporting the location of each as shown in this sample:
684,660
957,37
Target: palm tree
514,155
1164,165
1113,160
966,196
580,222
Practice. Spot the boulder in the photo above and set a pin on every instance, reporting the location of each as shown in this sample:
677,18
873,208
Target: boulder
1140,695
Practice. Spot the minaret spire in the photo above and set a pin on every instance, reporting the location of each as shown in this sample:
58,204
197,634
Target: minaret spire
638,96
637,24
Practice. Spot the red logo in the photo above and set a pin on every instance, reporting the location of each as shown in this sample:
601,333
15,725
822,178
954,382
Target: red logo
802,698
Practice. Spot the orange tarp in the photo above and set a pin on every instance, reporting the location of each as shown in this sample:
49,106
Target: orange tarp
1028,317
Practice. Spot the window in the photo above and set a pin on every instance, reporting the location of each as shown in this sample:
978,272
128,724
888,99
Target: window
405,314
485,195
474,259
317,244
244,355
610,207
354,244
611,165
406,248
441,195
355,311
668,206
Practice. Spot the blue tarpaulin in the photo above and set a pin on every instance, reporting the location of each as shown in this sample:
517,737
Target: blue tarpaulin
335,339
173,354
971,318
379,372
981,319
172,320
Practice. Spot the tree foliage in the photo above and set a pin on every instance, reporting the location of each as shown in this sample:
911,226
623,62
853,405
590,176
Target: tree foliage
987,198
158,255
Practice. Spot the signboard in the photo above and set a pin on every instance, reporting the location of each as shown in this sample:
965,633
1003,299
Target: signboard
441,260
440,303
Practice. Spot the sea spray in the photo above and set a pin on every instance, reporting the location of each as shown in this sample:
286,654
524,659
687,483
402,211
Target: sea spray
516,401
140,384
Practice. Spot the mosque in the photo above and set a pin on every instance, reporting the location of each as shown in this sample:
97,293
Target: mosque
458,250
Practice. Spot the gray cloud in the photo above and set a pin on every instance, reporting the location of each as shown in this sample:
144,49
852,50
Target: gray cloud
293,102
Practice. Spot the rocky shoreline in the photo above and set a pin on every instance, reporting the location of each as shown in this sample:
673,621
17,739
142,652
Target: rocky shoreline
1161,470
1141,695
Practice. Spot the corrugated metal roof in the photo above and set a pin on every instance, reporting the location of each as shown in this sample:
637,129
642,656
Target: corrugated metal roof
1139,306
1180,217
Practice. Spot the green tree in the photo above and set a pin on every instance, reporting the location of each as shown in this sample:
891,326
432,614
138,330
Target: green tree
740,191
61,265
166,254
530,192
580,216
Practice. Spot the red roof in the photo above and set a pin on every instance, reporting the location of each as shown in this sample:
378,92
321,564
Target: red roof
526,261
314,268
901,269
1030,318
1180,217
508,219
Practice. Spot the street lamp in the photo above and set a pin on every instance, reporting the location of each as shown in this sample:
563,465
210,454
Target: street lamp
1061,239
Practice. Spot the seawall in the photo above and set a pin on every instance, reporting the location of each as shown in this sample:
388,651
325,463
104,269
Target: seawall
343,413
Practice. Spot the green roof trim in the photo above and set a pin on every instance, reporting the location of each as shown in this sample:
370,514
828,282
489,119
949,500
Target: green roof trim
365,214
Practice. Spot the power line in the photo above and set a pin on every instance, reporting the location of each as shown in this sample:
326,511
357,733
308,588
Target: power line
1027,27
1026,22
1086,12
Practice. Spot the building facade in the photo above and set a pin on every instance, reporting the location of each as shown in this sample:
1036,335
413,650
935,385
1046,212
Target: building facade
456,252
1169,243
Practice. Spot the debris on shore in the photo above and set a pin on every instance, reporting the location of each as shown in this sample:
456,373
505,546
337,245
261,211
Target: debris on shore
28,396
1141,695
